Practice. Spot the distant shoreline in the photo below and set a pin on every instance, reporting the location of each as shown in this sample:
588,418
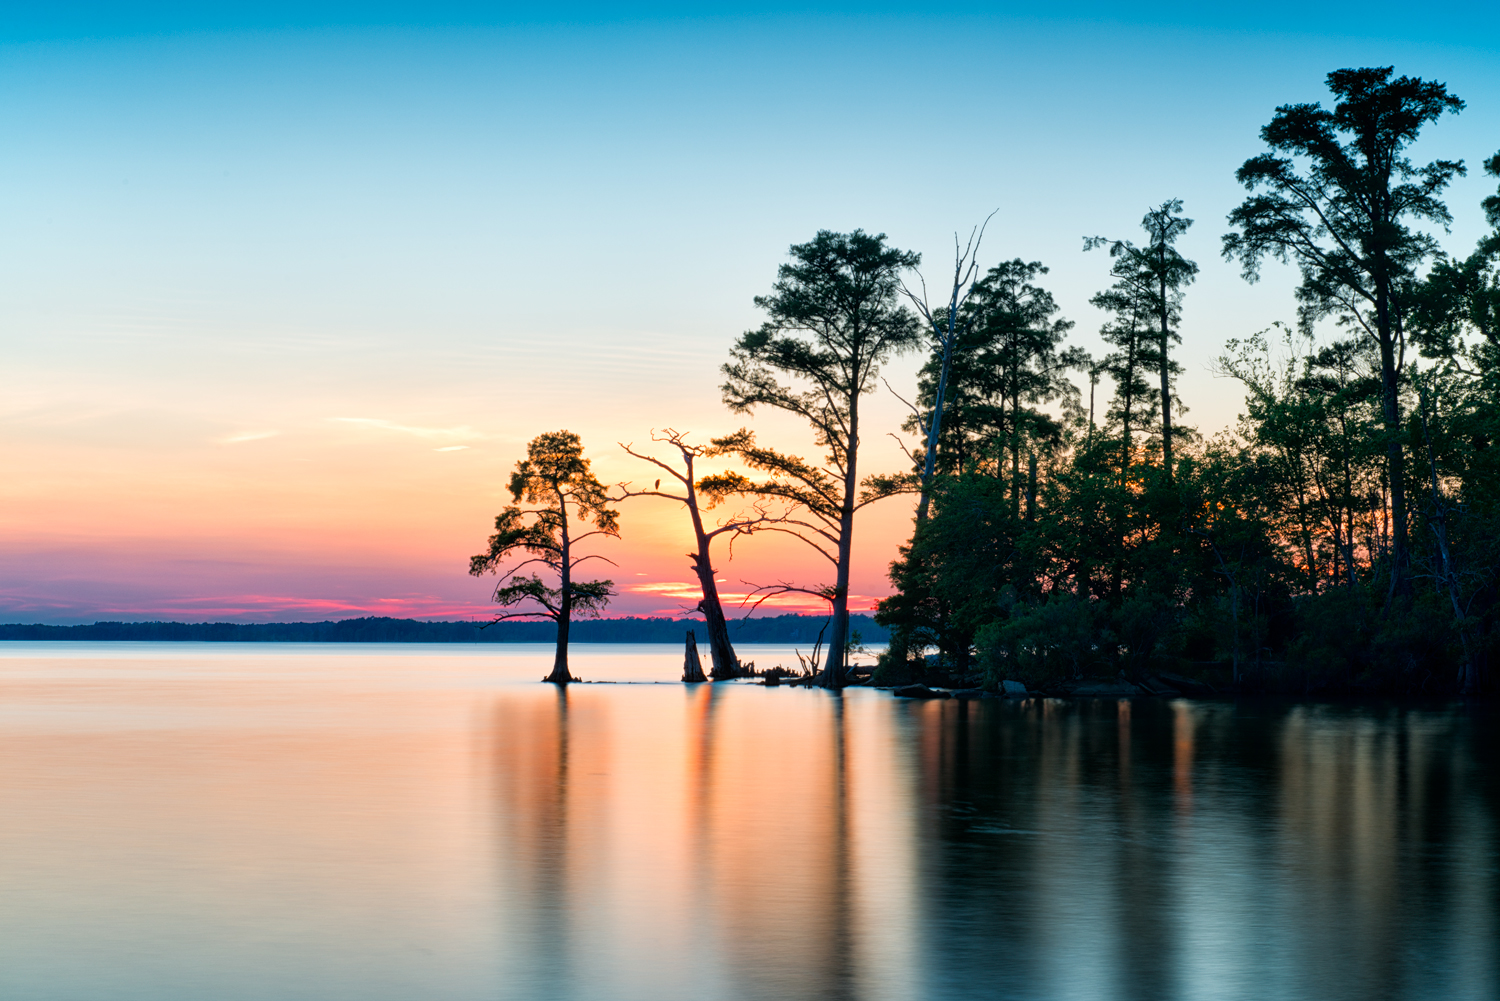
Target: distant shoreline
800,629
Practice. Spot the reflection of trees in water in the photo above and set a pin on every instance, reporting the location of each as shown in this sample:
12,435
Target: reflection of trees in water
549,812
780,855
1170,846
837,975
754,830
1380,806
811,844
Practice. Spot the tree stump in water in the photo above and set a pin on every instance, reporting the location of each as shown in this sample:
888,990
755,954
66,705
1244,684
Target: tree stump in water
692,667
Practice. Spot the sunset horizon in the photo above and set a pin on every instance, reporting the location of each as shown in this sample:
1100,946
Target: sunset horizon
292,288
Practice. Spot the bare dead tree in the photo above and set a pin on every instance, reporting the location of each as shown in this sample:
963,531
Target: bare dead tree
816,516
947,330
690,493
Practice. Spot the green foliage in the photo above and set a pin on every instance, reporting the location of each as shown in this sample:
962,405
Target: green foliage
1004,368
1344,537
1038,645
1268,559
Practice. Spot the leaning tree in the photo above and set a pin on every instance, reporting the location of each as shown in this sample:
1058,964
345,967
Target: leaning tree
696,495
565,499
948,326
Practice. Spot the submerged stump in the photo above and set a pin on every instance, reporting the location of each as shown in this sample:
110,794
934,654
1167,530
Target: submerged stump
692,667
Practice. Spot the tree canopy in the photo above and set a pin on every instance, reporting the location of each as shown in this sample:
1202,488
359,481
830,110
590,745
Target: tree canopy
834,317
555,479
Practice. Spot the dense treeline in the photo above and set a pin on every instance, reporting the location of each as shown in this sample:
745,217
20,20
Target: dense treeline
789,629
1345,536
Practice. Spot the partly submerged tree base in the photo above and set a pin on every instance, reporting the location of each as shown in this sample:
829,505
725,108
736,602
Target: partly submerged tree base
692,665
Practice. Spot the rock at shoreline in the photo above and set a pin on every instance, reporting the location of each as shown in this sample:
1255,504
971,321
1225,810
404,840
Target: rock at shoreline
1156,686
1105,689
919,692
1187,686
1013,690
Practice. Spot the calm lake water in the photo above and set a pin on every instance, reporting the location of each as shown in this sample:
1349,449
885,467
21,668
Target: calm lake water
190,822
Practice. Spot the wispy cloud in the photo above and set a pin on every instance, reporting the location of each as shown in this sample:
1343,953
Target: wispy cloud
450,448
235,439
735,599
460,433
245,607
670,589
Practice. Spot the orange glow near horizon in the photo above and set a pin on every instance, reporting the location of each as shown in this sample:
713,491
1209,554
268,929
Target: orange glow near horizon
343,519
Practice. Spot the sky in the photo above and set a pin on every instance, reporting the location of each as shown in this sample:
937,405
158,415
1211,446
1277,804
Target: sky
286,288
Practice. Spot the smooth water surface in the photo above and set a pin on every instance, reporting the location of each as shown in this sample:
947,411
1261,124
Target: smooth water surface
182,822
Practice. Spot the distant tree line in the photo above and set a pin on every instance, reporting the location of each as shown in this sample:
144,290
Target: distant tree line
782,629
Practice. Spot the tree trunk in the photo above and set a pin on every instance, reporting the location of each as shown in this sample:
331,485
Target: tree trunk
1166,386
560,675
1395,457
1129,395
833,660
935,423
726,663
1093,385
720,650
1467,679
692,667
1031,487
838,639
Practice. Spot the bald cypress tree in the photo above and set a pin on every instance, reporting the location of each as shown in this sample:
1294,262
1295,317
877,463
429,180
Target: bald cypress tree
568,504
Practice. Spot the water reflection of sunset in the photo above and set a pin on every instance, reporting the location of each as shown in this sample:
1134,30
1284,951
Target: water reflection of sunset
180,822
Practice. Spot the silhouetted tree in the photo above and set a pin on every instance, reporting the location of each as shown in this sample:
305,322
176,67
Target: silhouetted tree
1005,369
1336,196
1152,279
1457,322
554,478
714,488
1018,364
834,318
1460,296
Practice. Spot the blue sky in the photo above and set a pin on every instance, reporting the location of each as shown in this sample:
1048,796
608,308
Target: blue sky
1380,19
261,262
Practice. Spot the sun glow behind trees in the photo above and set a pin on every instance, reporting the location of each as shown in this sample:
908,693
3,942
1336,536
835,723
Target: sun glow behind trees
282,307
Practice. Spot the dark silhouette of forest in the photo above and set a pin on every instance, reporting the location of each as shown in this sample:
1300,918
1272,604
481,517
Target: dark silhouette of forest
1070,527
1344,537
